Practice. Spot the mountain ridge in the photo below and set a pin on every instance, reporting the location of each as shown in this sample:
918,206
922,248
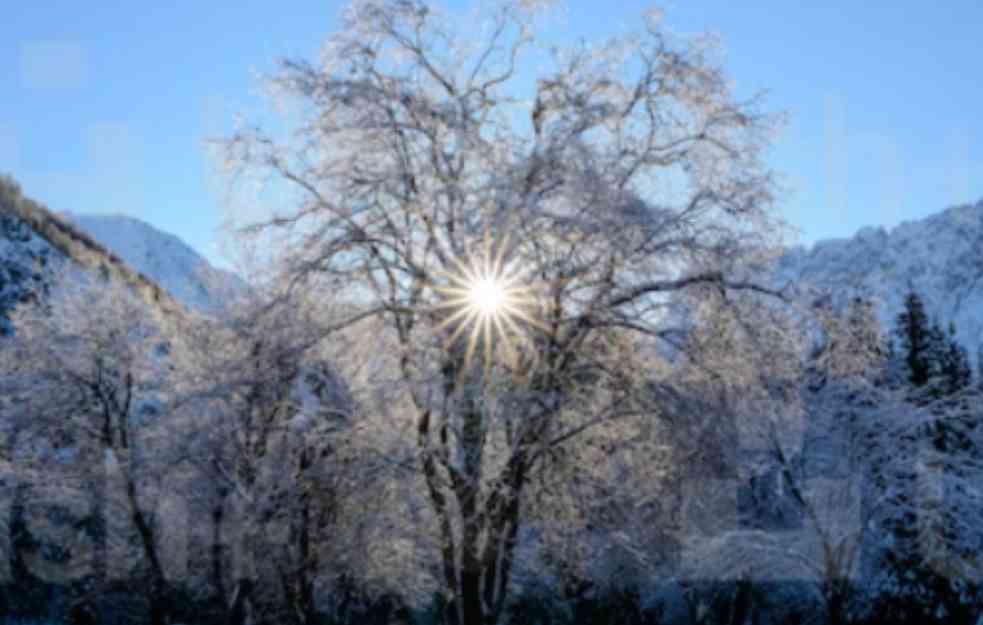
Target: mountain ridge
166,273
939,256
166,258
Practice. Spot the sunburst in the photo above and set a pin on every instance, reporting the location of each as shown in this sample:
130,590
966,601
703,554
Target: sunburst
490,299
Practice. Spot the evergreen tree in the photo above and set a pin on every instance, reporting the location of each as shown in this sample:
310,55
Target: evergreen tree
935,357
927,357
895,371
914,340
979,367
956,372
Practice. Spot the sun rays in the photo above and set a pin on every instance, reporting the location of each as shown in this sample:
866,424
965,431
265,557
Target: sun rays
490,300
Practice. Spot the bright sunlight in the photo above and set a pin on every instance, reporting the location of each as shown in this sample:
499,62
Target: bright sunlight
488,298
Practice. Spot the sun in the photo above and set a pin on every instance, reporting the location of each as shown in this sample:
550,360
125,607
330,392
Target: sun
487,296
488,300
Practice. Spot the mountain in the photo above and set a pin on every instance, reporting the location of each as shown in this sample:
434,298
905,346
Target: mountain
164,258
940,256
28,264
37,244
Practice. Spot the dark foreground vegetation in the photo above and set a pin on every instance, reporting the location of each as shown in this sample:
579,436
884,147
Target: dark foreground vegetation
707,603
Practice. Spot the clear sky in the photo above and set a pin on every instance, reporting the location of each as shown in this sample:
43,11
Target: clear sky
104,105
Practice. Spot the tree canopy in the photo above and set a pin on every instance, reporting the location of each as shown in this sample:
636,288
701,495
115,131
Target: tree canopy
425,183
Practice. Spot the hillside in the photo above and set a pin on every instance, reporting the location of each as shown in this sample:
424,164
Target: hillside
36,244
941,257
163,257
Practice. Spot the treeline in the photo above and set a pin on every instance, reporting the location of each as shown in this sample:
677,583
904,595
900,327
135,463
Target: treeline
233,476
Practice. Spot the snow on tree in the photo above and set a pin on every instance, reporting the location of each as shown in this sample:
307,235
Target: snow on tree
86,386
885,486
912,330
267,419
955,368
518,248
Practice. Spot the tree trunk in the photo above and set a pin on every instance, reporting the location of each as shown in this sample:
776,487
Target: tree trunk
835,604
218,585
477,562
21,540
452,615
835,612
467,491
241,606
307,565
158,596
97,531
742,603
471,597
503,528
240,611
486,567
19,536
158,607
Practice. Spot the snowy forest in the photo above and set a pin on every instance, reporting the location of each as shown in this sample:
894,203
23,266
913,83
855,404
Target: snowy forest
491,361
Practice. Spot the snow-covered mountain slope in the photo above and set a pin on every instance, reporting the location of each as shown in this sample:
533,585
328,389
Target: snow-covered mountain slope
164,258
941,257
27,265
36,245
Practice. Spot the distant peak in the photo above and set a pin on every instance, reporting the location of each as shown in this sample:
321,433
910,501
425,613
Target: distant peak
166,258
940,255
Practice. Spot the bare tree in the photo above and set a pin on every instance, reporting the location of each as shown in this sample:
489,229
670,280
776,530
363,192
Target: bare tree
268,413
521,269
88,383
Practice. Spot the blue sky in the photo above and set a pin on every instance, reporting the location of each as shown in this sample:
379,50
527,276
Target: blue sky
105,105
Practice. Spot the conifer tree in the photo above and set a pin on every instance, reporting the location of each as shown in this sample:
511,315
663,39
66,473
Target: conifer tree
956,372
979,367
936,356
914,339
935,365
895,372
